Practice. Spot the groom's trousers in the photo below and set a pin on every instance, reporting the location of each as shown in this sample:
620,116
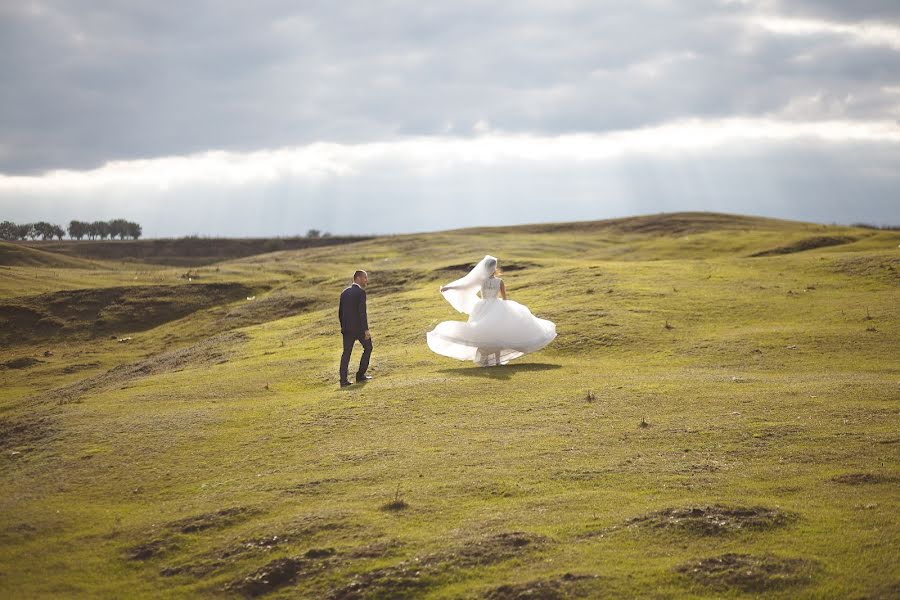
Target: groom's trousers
349,340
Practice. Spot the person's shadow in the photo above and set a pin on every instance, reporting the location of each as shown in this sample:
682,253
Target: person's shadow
501,372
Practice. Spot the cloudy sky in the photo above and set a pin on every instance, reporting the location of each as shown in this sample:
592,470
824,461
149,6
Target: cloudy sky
273,117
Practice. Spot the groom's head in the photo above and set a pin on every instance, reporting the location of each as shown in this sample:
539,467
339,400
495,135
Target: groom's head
361,278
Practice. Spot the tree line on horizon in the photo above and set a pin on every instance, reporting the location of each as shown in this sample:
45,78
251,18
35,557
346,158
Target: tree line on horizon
77,230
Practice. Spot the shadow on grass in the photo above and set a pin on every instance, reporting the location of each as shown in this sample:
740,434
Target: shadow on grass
501,372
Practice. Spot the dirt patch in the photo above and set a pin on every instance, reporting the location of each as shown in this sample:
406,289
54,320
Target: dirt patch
461,269
262,310
558,588
713,520
23,362
80,367
210,351
749,573
861,478
376,549
410,577
207,562
884,268
276,574
219,518
811,243
22,433
166,539
101,311
151,549
210,562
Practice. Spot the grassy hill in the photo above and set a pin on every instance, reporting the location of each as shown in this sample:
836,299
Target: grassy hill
185,252
717,418
22,255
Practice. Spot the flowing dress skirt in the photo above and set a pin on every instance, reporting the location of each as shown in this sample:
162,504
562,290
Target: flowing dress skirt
497,331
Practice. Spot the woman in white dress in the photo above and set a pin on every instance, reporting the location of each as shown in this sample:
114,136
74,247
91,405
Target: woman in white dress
498,329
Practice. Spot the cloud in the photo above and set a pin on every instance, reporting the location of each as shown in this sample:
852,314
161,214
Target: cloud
248,119
91,83
838,170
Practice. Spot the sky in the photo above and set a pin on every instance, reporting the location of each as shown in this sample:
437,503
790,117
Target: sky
357,117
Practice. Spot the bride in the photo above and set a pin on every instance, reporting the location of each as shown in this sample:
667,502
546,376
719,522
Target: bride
498,330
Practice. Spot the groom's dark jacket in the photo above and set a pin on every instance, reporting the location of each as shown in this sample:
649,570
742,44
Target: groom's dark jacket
352,311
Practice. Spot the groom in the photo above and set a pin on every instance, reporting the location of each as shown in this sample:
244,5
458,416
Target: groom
355,326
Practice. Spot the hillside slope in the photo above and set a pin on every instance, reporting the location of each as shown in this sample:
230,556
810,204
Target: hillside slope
19,255
707,424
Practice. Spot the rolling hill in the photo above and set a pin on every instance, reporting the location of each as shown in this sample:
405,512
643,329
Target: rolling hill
717,418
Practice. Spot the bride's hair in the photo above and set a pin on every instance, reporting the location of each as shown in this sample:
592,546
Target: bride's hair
498,272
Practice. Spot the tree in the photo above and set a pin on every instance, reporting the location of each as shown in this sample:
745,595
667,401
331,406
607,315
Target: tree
8,231
77,229
313,233
118,227
134,230
59,232
100,229
26,230
43,229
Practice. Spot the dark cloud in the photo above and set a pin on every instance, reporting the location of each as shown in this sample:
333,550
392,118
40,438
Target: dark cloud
848,10
85,83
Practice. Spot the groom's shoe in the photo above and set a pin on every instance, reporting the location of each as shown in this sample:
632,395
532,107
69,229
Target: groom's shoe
363,378
345,383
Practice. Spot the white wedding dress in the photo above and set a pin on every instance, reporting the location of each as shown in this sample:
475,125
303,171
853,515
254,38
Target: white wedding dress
497,330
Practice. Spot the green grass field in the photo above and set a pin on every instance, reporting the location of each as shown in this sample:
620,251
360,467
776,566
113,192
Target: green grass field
707,424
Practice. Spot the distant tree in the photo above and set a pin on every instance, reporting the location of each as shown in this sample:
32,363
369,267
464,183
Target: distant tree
27,230
77,229
44,230
325,234
8,231
313,233
59,232
134,230
100,229
118,228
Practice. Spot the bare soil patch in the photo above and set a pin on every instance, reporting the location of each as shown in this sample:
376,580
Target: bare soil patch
861,478
558,588
268,578
409,578
80,367
207,352
219,518
749,573
463,268
23,433
101,311
150,549
219,558
811,243
268,308
23,362
882,268
166,539
713,520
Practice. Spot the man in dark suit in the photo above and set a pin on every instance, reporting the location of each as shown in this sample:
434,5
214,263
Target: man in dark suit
355,326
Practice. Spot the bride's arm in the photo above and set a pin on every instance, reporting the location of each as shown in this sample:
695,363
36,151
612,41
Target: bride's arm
502,289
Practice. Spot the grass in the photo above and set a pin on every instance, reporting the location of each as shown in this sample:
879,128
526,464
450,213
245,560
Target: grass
686,374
